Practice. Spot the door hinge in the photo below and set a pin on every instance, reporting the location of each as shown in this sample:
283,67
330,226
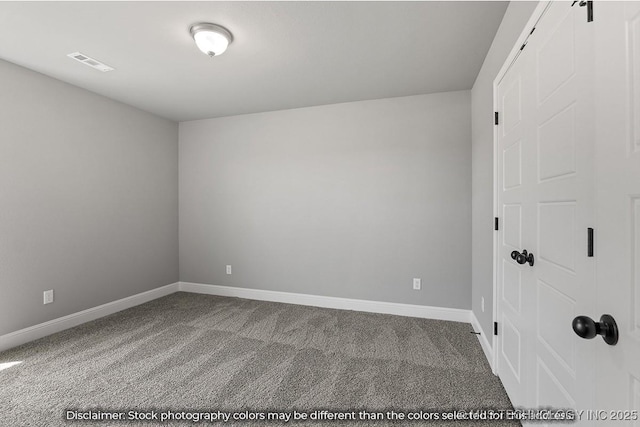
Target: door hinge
495,224
589,242
495,118
495,328
523,45
589,5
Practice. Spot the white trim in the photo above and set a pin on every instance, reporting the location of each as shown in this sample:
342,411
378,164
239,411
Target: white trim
26,335
526,31
496,234
41,330
484,342
427,312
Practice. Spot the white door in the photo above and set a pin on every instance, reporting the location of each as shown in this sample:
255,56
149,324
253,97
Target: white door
514,167
545,197
617,231
563,278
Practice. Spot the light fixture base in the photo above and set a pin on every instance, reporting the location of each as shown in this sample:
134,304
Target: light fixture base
210,38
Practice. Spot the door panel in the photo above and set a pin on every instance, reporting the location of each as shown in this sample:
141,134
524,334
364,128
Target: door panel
569,163
633,24
557,145
618,202
550,392
556,55
512,294
512,234
511,345
556,308
563,195
557,234
512,105
513,166
546,199
635,289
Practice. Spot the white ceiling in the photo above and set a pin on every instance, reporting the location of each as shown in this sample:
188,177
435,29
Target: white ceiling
284,54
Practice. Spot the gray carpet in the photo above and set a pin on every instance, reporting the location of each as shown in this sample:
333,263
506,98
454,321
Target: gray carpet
189,352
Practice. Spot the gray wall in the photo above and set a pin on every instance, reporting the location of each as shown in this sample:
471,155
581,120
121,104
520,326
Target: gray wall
88,199
513,23
350,200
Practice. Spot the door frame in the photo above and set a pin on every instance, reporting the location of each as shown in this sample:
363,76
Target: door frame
537,14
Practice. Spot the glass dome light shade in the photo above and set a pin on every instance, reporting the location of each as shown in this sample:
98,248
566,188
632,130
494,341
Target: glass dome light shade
211,39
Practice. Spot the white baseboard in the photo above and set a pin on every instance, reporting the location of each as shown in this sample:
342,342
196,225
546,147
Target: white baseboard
23,336
32,333
439,313
484,341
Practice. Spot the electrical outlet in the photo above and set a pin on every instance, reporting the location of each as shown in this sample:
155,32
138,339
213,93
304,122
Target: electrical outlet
417,284
48,296
228,269
482,304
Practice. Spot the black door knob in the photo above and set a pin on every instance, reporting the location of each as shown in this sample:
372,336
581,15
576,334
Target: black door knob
585,327
523,257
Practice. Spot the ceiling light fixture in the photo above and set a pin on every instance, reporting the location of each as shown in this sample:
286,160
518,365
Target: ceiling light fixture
211,39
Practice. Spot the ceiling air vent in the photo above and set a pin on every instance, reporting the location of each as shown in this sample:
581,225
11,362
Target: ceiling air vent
90,62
